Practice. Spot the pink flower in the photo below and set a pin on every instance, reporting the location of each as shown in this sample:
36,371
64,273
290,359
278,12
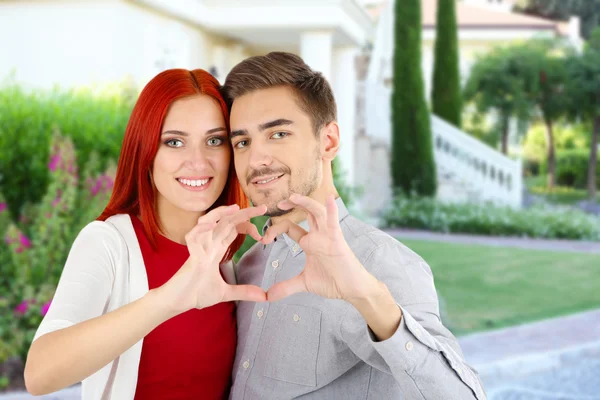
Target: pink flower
55,201
8,239
22,307
19,249
97,187
25,242
3,206
45,307
53,164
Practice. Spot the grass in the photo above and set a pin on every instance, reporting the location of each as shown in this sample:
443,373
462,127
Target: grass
484,287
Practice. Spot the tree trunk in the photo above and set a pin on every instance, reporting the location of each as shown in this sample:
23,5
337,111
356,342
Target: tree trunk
505,126
551,176
593,160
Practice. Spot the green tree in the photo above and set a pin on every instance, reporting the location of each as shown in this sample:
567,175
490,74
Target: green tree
412,165
587,10
502,81
583,91
446,95
547,59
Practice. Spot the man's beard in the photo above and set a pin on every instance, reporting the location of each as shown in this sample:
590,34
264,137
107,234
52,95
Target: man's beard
271,198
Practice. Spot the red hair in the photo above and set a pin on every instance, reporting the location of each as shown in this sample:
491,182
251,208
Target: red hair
133,191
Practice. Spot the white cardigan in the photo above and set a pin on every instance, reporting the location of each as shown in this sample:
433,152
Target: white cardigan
104,271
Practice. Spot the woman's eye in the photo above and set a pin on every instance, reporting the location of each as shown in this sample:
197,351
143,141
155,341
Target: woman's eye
215,141
174,143
241,143
279,135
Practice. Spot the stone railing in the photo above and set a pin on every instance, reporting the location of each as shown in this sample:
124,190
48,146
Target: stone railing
486,174
468,170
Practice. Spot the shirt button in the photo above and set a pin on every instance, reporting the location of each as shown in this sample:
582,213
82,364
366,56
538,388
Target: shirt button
260,313
275,264
409,346
459,370
296,317
246,364
418,333
295,248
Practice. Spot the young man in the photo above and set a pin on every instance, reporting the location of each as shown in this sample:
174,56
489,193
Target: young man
352,313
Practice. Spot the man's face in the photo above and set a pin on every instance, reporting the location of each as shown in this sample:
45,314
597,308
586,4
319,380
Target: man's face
276,152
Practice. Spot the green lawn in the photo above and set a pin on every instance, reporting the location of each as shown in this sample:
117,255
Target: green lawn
490,287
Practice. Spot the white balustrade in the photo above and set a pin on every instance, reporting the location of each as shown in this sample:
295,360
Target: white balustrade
468,169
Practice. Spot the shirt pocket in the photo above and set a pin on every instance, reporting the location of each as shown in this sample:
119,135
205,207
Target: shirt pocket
292,355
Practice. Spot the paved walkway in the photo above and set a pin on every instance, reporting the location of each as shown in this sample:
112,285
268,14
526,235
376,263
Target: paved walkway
555,359
523,243
543,337
72,393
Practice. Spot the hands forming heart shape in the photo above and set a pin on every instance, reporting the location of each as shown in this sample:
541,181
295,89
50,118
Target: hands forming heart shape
331,269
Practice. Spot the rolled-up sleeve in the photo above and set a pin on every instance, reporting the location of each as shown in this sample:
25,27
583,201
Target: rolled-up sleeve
422,355
85,285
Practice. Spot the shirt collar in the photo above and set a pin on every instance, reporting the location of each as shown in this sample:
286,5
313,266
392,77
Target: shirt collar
295,247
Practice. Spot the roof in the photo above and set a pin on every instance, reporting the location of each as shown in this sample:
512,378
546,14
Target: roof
476,17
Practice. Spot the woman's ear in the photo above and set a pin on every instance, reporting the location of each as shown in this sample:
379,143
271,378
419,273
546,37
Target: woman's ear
330,140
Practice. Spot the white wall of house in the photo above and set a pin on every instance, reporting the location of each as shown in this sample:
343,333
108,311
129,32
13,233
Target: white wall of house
77,43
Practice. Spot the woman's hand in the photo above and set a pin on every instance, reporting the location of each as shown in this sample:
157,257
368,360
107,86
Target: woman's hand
198,283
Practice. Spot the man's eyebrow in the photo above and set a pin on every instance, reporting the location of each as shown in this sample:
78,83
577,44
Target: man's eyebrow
262,127
182,133
274,123
239,132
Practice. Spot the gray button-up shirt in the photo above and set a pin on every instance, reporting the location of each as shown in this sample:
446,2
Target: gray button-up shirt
309,347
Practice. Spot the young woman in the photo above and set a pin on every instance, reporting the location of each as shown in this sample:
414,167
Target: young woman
144,307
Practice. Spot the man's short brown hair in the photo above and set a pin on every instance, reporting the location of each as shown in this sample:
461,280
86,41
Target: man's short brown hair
313,92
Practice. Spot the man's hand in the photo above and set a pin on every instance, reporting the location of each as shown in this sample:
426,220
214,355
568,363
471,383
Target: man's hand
332,270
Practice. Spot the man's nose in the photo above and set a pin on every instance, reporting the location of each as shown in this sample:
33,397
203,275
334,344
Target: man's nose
259,156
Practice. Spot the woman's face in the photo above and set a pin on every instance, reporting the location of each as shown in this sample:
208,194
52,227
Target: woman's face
192,163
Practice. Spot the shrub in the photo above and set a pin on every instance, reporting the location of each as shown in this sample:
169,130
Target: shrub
94,119
446,96
36,244
412,166
572,167
485,219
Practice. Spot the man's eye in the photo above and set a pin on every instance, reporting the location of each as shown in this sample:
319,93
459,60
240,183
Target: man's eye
279,135
216,141
174,143
241,143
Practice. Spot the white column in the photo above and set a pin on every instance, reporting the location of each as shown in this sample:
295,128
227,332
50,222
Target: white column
575,33
344,88
220,61
316,51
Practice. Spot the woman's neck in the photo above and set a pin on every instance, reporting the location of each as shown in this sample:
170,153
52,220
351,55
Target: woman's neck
176,223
